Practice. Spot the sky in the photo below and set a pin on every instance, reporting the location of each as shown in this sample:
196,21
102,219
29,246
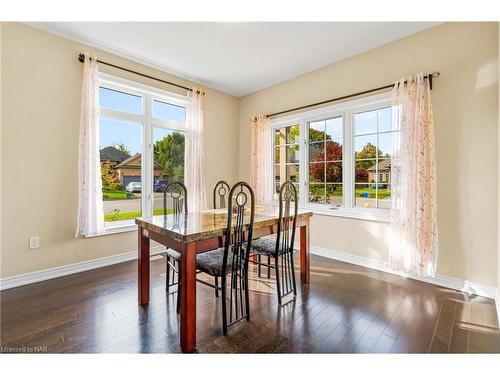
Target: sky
365,129
129,133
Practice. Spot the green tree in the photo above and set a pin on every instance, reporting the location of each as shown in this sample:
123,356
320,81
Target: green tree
317,135
121,146
169,154
368,152
109,177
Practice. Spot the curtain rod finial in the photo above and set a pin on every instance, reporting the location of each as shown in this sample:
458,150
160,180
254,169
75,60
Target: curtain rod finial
81,57
435,74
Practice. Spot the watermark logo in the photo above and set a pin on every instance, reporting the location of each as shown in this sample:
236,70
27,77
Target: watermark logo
24,349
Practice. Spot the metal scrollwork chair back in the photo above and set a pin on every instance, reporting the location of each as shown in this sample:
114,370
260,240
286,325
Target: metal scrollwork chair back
285,239
230,262
221,194
174,202
176,193
279,247
237,245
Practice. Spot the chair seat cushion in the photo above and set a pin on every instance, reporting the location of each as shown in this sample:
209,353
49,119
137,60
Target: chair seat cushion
174,254
265,246
211,262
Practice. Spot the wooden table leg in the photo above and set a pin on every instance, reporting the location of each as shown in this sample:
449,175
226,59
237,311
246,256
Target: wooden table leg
143,267
188,298
304,253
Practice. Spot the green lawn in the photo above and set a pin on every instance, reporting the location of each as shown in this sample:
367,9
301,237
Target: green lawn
108,195
116,216
382,193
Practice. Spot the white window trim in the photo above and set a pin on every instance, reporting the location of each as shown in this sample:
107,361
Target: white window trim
146,119
347,110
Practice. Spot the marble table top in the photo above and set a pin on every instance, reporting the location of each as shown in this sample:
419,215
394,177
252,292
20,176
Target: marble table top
197,226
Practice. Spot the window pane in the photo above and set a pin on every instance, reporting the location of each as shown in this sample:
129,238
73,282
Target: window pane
334,172
385,142
384,171
292,173
334,129
168,163
120,101
317,152
292,134
365,170
316,131
385,119
365,123
168,111
317,172
293,155
365,146
120,156
334,194
333,150
280,137
317,193
384,196
365,195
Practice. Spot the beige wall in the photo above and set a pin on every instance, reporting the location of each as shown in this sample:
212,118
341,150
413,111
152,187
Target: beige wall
498,161
465,109
41,84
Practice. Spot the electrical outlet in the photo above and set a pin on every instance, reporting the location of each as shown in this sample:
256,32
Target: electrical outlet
34,242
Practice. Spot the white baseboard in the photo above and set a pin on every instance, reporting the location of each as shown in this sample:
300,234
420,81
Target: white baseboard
52,273
444,281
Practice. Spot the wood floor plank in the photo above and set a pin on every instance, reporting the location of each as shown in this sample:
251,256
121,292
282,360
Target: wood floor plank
345,308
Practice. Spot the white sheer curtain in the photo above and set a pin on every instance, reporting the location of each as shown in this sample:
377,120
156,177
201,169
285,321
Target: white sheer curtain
194,152
413,180
90,209
262,164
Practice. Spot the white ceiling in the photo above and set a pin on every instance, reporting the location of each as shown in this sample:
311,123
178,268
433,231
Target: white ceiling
236,58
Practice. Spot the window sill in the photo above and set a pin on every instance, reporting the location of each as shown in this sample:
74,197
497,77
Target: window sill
115,230
369,216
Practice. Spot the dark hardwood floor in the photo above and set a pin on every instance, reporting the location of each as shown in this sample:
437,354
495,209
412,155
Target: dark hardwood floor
345,309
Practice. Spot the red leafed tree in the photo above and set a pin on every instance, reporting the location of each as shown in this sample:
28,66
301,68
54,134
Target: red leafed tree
333,170
361,175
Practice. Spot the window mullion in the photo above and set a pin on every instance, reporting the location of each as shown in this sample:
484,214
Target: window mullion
349,163
304,187
147,160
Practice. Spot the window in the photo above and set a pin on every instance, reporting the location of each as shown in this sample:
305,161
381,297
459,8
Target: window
339,156
373,139
325,161
286,156
141,147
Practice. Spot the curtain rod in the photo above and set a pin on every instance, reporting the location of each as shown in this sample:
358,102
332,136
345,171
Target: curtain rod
81,58
429,76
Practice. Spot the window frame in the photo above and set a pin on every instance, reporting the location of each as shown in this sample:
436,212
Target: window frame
147,121
347,110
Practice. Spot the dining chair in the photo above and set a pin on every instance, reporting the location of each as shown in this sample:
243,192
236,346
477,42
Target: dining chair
175,203
221,193
279,246
230,262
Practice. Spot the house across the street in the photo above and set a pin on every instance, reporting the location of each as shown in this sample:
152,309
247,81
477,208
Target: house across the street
384,172
128,168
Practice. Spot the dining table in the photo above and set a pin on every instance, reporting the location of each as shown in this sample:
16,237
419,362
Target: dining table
192,233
